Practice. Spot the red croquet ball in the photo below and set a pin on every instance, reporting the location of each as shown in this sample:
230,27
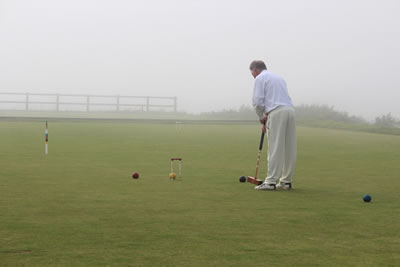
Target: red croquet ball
135,175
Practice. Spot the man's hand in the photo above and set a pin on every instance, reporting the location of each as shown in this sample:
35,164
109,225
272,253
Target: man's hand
264,122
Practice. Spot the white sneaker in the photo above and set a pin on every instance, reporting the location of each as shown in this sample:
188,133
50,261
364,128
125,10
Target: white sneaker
265,186
284,186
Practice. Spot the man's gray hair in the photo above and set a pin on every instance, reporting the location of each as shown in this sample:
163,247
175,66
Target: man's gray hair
258,65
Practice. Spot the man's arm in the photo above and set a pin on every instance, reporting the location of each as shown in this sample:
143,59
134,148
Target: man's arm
260,112
259,99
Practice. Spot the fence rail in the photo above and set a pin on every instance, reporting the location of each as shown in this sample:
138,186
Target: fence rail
60,102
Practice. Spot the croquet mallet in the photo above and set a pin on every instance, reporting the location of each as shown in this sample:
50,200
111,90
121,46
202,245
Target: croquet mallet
254,179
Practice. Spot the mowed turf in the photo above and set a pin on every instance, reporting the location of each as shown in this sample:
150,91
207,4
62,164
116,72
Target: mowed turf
79,206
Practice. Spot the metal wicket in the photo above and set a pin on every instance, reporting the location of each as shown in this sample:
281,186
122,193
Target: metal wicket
180,166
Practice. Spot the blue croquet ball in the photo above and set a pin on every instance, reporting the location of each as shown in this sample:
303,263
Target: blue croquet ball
242,179
367,198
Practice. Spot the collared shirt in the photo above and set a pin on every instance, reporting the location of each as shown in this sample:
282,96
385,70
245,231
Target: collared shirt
270,92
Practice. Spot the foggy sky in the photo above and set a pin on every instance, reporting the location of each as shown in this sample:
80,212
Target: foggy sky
343,53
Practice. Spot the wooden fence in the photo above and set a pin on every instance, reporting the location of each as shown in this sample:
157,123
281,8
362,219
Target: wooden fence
76,102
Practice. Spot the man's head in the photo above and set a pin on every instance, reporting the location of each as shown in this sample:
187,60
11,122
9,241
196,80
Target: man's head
256,67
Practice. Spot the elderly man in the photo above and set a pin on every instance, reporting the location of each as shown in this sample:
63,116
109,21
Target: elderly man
275,110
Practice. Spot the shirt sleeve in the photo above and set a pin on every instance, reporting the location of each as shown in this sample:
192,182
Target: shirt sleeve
259,98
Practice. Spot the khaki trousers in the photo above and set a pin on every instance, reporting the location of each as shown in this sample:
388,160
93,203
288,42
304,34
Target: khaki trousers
281,132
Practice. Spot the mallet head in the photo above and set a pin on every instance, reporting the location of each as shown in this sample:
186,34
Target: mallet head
254,180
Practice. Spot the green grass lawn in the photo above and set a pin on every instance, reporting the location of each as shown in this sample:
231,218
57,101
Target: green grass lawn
79,206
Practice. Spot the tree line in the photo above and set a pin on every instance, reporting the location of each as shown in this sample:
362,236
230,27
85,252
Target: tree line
317,116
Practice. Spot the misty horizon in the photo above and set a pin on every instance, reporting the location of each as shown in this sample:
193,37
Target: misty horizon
338,53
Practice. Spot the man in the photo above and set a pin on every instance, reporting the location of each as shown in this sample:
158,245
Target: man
276,112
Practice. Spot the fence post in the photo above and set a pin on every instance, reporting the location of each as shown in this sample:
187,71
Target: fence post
175,104
57,102
147,103
117,103
87,103
27,102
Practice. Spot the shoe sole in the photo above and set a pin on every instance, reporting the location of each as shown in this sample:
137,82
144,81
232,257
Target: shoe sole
283,188
270,189
265,189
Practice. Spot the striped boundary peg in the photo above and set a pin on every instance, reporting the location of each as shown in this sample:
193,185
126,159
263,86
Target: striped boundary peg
46,145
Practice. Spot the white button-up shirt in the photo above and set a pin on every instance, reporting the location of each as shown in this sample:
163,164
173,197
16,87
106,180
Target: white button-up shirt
270,92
